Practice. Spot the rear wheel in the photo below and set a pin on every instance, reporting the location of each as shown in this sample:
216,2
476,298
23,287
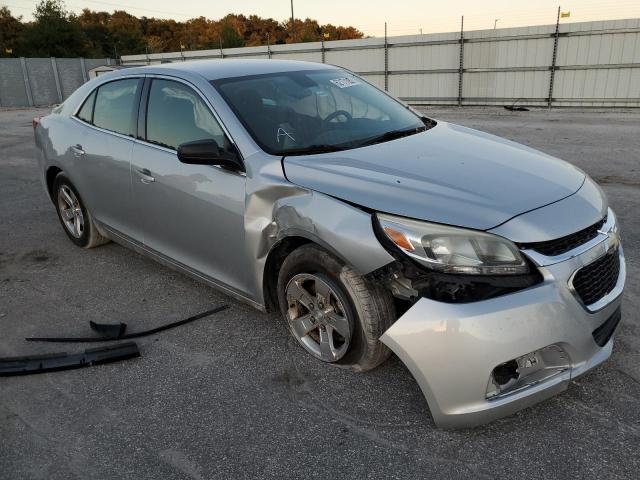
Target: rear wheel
334,313
73,215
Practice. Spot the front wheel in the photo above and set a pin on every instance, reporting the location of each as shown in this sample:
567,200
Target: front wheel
333,312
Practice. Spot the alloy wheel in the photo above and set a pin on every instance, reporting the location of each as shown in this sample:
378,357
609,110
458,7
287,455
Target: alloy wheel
317,317
70,211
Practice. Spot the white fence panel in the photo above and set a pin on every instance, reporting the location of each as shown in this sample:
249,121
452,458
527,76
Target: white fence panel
377,80
441,87
360,61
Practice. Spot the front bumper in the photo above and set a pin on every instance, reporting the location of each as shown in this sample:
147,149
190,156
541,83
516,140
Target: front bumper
452,349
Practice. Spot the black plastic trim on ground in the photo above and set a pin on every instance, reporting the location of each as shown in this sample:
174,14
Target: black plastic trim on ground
110,329
52,362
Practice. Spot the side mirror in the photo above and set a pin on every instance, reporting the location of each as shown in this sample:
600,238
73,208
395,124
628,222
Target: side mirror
207,152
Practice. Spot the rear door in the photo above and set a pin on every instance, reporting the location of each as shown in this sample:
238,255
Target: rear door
192,214
102,150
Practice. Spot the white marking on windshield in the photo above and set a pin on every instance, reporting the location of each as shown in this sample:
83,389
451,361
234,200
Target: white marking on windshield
282,133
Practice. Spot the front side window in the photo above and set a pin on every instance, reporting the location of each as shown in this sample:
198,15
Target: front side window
176,114
115,106
302,112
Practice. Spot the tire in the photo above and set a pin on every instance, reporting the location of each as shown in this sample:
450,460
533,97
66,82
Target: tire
368,308
74,217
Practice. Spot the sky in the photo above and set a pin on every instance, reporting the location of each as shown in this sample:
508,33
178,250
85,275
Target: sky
404,17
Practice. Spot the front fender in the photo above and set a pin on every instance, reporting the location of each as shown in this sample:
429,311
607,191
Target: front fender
278,209
343,229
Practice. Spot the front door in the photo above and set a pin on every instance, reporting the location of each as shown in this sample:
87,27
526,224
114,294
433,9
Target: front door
193,214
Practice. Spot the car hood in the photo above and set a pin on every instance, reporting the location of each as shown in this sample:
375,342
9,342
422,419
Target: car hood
448,174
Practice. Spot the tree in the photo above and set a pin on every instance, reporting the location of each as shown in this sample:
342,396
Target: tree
125,33
55,32
98,40
229,35
161,35
11,34
256,29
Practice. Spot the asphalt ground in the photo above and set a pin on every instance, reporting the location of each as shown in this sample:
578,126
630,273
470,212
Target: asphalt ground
233,396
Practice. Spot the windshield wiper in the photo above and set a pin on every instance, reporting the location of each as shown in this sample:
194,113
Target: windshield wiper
327,148
311,149
392,135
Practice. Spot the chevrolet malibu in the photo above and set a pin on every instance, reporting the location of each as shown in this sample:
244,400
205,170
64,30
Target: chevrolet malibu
492,270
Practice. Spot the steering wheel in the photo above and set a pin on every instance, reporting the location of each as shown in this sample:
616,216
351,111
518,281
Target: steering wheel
337,114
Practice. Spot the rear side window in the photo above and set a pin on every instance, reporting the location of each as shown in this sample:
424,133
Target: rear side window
176,114
86,112
115,104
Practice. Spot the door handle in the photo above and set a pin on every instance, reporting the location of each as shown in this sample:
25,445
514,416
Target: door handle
77,150
145,176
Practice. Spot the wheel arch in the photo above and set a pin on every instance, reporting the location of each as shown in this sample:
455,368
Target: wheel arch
50,176
342,230
278,252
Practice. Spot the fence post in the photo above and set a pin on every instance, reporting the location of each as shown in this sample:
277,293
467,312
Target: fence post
268,47
27,85
322,49
461,68
56,77
386,59
553,60
83,66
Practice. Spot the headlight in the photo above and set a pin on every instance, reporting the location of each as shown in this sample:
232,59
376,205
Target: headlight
453,250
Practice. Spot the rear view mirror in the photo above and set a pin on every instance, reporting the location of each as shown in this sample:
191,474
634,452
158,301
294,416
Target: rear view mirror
207,152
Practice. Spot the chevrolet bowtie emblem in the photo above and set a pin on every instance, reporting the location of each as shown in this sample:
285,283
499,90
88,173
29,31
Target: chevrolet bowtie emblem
613,239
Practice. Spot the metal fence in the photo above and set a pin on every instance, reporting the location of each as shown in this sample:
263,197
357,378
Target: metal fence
575,64
27,82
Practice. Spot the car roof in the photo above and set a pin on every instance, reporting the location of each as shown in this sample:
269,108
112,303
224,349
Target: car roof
214,69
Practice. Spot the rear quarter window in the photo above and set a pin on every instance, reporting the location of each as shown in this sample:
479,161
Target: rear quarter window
86,112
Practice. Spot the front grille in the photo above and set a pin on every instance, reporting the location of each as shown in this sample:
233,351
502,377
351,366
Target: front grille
562,245
597,279
604,332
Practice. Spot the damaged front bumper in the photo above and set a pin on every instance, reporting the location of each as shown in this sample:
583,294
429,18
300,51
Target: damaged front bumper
453,350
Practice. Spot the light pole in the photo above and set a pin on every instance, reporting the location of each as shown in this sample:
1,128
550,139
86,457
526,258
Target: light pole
495,22
293,26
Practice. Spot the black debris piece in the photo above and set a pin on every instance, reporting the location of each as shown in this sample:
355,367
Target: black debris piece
52,362
513,108
110,329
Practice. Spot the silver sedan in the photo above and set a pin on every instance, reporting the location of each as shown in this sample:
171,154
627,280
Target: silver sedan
492,270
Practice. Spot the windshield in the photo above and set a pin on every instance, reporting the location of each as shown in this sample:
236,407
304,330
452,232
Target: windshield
303,112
